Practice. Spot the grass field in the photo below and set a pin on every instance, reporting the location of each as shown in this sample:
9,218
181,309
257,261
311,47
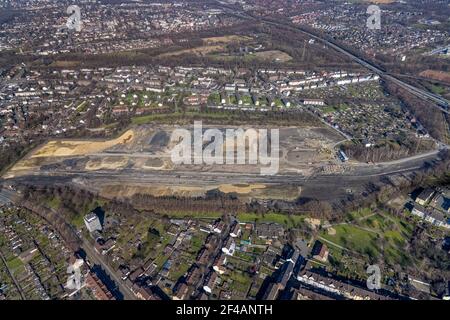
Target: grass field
13,264
438,89
288,221
373,236
82,107
214,98
54,202
226,39
354,238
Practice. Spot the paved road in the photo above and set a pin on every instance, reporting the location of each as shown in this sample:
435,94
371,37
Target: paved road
3,199
439,102
92,255
98,259
319,186
6,196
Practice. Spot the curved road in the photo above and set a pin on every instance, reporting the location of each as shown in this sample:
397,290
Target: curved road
439,102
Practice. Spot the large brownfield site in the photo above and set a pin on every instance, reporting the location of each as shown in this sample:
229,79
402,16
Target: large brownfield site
145,150
139,161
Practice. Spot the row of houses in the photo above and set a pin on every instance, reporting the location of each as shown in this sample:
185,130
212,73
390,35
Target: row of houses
331,287
432,216
433,207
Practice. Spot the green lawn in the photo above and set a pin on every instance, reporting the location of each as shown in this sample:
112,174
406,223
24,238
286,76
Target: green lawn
78,221
244,256
54,203
278,102
171,117
197,242
246,99
374,236
355,239
286,220
82,107
438,89
178,271
14,263
214,98
241,281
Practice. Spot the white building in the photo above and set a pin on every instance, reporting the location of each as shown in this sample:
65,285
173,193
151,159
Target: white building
92,222
229,247
313,102
219,264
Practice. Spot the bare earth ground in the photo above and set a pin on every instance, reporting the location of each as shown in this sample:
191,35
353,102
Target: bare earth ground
139,162
273,55
211,45
80,147
146,149
226,39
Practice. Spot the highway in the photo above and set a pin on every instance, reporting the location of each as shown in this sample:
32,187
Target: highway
438,101
6,196
359,174
4,199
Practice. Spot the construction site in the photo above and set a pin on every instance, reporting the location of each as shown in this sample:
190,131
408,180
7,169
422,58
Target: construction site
145,151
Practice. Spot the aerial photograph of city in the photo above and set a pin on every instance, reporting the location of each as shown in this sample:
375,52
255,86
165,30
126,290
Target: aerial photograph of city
256,151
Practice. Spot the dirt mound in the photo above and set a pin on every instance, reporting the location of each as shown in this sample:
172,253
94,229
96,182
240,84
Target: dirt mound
68,148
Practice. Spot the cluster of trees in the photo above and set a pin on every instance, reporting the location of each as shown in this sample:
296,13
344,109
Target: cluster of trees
380,191
204,205
305,206
429,116
10,154
56,220
435,263
388,151
70,202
